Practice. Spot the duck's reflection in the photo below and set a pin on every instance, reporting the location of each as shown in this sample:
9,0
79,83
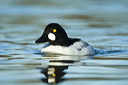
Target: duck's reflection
57,64
54,73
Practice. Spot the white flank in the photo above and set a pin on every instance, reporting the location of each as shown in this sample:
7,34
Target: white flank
71,50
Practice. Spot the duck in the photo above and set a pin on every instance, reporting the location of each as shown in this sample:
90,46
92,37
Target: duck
60,43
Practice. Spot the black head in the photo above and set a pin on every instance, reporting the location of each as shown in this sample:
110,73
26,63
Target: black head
54,34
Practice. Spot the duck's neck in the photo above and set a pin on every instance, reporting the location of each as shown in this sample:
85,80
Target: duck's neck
60,42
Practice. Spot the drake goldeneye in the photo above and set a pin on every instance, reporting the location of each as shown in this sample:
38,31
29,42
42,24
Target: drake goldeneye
59,42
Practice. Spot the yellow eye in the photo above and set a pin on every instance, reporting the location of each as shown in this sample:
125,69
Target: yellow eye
54,30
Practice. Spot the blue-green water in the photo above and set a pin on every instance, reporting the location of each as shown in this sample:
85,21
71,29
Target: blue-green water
102,23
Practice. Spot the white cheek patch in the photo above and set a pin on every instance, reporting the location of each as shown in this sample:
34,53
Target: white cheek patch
51,36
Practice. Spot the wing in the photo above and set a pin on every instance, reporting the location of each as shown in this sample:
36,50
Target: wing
80,44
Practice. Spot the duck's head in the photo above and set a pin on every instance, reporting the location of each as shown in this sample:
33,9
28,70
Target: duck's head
54,34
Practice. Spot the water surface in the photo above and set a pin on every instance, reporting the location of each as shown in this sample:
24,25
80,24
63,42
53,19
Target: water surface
103,24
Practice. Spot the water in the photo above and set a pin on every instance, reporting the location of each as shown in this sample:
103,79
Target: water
102,23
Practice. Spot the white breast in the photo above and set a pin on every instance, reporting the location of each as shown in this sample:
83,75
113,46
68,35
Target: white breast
78,48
